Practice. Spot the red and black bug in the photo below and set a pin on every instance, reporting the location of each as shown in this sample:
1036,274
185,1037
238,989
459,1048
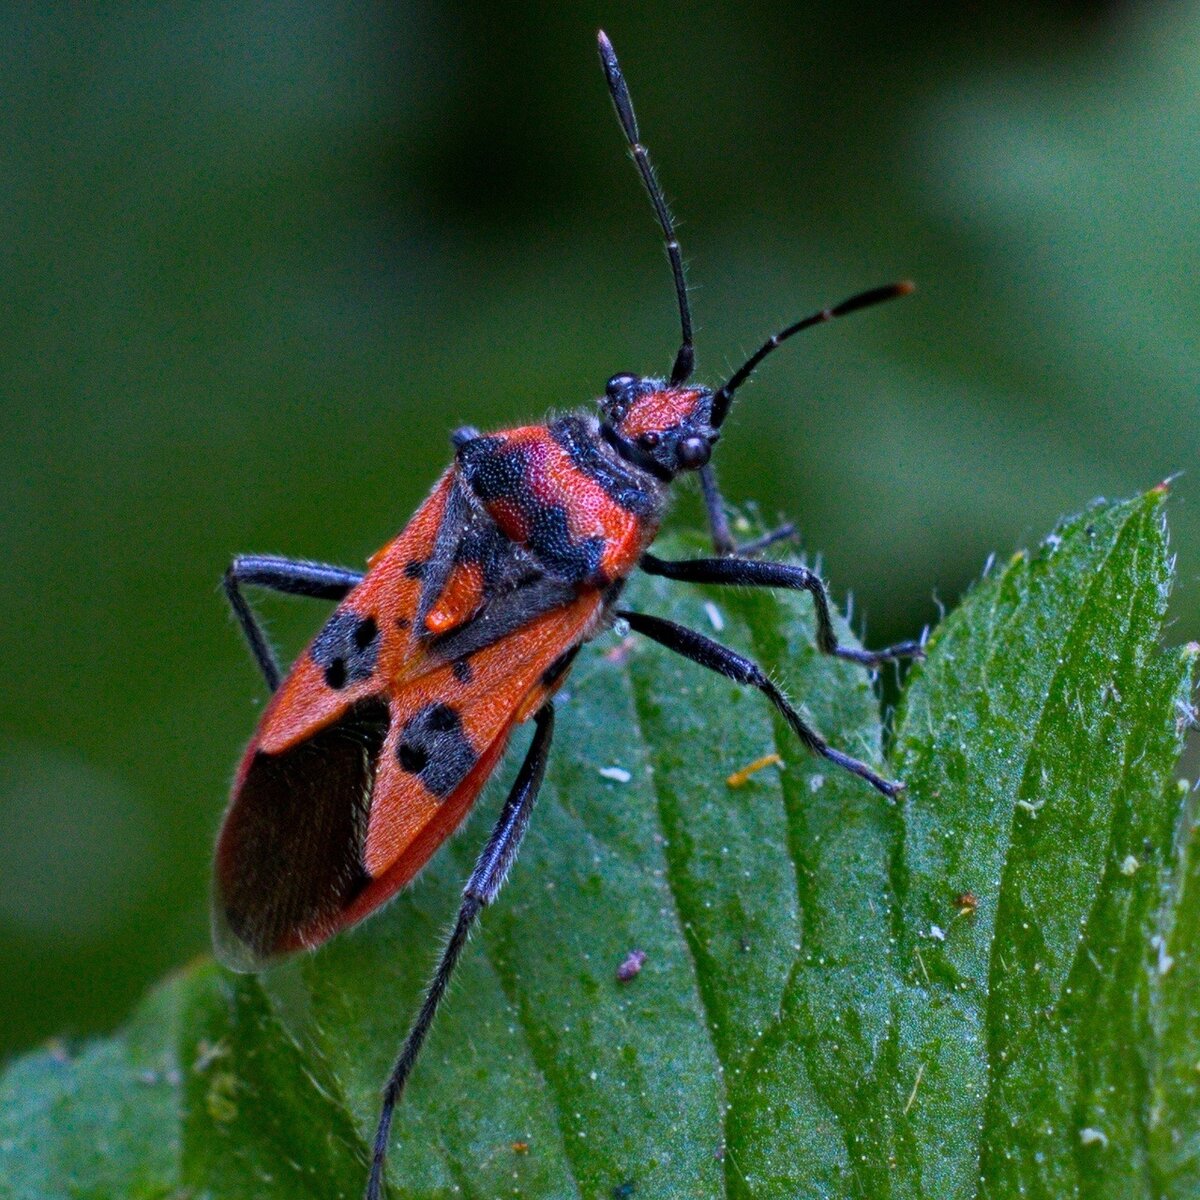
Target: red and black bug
376,744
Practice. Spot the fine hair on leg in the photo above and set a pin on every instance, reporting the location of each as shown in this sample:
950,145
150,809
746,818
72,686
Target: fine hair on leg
292,577
707,653
754,573
482,887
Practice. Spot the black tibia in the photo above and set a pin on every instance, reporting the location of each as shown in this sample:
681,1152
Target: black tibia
718,522
745,573
714,505
715,657
485,882
781,533
295,577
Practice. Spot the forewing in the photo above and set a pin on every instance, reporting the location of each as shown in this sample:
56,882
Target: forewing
446,723
288,857
367,642
450,583
326,827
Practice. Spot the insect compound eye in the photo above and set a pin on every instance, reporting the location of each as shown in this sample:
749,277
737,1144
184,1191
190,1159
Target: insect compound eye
649,440
619,386
621,390
694,452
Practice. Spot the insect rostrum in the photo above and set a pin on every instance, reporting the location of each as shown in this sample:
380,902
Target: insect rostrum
374,747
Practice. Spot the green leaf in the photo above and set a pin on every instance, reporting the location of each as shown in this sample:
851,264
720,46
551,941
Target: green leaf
1038,742
822,1012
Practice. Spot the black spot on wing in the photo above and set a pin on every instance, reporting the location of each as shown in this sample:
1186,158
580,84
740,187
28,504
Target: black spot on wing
462,670
413,758
433,747
290,854
415,569
347,648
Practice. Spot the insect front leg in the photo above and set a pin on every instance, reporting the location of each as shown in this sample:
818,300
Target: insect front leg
718,523
294,577
700,649
751,573
486,880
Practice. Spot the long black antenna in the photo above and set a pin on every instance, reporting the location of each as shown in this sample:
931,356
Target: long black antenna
724,396
685,359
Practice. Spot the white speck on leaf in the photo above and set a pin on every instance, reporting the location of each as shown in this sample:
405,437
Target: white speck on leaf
1165,961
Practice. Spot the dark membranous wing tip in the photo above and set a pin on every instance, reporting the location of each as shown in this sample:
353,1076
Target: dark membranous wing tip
290,856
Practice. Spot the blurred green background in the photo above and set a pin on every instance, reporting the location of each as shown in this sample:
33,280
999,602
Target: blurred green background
259,259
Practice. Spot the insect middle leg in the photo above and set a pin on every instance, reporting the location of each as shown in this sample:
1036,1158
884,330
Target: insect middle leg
482,887
718,523
752,573
295,577
700,649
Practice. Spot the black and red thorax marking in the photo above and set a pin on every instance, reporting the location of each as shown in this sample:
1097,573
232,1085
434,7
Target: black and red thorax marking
584,496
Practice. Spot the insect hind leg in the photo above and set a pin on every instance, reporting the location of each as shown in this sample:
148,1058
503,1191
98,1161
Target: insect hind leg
294,577
482,887
707,653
